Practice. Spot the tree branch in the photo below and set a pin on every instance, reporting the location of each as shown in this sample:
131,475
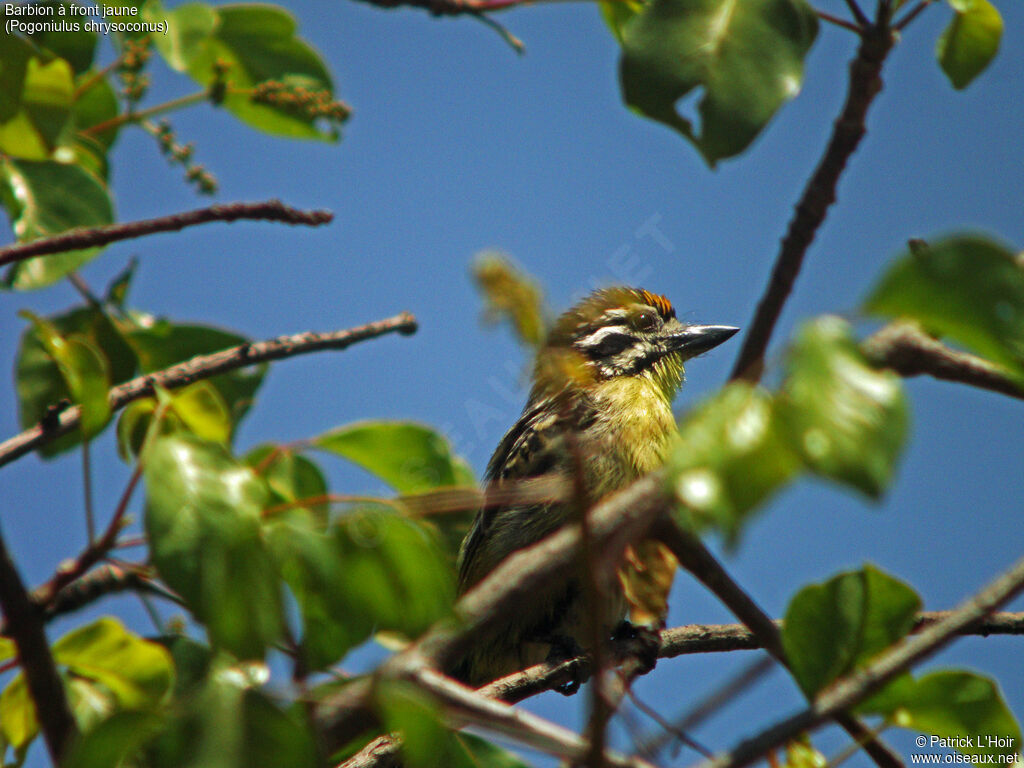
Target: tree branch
677,641
864,85
850,690
909,351
23,622
203,367
698,560
271,210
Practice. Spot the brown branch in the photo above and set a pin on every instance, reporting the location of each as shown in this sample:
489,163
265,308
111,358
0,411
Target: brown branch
270,210
848,691
677,641
203,367
23,621
698,560
864,85
909,351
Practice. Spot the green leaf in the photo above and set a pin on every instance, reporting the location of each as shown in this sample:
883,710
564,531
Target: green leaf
258,42
108,668
730,457
36,94
39,380
230,725
83,369
292,478
202,411
847,420
965,287
373,571
481,753
137,672
18,722
831,629
76,46
114,739
617,12
745,57
511,295
45,199
333,619
160,344
426,742
117,290
970,42
951,704
203,523
409,457
92,106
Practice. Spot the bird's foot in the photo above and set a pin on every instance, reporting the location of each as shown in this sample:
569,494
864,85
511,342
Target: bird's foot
565,649
639,642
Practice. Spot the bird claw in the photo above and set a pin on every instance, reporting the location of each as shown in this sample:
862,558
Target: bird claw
565,649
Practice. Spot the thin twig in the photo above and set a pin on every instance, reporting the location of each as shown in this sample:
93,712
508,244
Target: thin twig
858,14
912,14
864,85
850,690
23,623
204,367
91,237
839,22
909,351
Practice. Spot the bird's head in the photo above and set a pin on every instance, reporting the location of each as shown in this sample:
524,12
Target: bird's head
620,331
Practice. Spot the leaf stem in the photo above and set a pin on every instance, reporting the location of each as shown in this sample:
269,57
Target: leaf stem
126,118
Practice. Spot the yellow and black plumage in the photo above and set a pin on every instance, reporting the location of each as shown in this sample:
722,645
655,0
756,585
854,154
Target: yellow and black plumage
606,376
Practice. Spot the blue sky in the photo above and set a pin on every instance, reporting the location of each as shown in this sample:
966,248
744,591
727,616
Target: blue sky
458,145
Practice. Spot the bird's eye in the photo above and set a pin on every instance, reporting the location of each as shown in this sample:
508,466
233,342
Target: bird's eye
646,320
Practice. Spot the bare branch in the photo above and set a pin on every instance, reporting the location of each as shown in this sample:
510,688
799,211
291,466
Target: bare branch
271,210
23,622
864,85
854,688
909,351
203,367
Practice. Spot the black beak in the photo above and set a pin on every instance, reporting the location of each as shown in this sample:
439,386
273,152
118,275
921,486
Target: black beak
693,340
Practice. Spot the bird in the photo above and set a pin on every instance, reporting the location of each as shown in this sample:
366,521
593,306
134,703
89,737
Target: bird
600,411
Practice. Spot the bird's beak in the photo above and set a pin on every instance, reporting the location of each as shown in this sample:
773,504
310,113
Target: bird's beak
693,340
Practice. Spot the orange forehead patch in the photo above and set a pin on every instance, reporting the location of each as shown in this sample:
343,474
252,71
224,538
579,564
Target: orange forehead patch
660,303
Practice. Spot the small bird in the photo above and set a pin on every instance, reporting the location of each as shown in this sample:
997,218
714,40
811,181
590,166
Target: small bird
600,404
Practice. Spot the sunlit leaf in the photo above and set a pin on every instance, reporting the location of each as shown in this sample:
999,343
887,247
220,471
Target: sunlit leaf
970,42
44,199
731,456
617,12
203,524
967,287
83,369
832,628
136,671
951,704
847,420
258,43
409,457
743,57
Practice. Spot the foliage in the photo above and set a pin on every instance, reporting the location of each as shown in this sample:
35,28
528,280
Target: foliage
257,548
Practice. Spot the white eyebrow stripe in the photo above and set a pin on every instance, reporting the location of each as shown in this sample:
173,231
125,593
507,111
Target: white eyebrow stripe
599,335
